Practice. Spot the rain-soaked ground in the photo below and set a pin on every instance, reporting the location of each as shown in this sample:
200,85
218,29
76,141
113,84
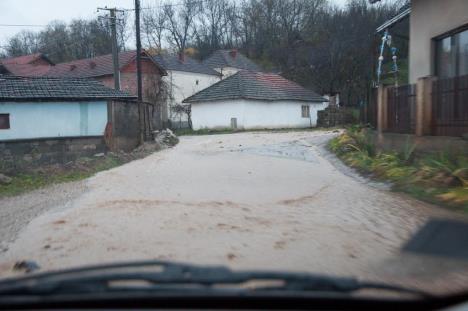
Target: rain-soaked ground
248,200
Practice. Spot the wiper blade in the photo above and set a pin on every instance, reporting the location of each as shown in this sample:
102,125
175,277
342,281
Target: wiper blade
168,276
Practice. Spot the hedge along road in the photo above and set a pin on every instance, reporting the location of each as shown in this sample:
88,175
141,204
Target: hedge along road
258,200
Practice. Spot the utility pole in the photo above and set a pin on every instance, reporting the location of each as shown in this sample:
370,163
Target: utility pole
115,50
138,60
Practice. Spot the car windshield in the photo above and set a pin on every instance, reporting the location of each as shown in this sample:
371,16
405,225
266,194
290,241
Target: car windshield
320,136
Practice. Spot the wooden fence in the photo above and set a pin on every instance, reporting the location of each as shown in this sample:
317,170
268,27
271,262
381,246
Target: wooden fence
450,106
151,120
368,112
401,109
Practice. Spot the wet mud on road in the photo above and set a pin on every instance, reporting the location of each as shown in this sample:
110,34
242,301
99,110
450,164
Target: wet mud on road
248,200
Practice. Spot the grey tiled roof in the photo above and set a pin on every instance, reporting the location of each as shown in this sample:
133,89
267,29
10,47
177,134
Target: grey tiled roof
225,58
40,88
257,86
172,62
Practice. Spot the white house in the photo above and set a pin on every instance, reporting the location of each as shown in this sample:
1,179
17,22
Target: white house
250,100
228,62
185,77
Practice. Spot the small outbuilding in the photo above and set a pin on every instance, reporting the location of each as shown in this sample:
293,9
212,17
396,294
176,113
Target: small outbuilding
58,119
255,100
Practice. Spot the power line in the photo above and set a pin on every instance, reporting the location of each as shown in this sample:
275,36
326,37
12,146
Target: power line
164,5
22,25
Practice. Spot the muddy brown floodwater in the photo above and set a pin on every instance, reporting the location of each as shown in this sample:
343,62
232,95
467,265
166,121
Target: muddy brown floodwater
254,200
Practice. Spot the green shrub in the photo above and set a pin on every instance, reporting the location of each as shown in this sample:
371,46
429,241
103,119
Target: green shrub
442,169
437,178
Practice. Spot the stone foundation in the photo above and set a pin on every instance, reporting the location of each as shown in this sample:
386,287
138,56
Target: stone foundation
334,116
17,154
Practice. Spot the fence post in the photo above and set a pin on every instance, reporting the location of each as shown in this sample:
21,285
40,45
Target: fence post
382,108
424,105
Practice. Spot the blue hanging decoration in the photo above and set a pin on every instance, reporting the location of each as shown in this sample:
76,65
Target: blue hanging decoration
387,40
381,58
395,65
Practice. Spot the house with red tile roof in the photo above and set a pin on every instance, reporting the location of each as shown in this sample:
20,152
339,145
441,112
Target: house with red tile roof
27,66
99,68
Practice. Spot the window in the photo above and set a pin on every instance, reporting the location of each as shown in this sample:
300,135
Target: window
451,58
4,121
305,112
196,82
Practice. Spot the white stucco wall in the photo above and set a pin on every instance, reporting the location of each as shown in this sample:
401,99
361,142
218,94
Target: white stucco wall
253,114
54,119
227,71
184,84
429,19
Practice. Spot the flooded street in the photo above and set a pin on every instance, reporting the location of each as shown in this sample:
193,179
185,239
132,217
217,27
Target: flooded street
253,200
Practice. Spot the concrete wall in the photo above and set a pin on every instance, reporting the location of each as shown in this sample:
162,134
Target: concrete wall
392,142
253,114
429,19
182,85
54,119
20,154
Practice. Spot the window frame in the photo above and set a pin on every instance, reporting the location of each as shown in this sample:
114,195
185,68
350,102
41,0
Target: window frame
435,49
8,123
307,109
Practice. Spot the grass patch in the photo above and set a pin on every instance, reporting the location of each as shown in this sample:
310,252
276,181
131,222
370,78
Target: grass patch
53,174
440,178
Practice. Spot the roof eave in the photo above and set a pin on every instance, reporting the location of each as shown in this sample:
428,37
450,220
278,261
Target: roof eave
45,99
394,20
198,72
188,101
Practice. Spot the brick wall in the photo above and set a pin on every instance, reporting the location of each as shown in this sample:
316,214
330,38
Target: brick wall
128,79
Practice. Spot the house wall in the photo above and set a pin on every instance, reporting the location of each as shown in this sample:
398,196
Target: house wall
227,71
429,19
54,119
183,84
253,114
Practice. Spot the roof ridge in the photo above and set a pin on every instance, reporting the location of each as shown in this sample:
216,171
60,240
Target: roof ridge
256,86
213,85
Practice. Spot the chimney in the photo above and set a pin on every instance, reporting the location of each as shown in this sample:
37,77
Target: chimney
233,53
181,57
72,67
92,65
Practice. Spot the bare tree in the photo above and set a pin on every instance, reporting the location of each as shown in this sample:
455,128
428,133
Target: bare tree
154,26
180,22
25,42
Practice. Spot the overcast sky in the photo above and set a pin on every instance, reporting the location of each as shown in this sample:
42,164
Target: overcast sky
44,11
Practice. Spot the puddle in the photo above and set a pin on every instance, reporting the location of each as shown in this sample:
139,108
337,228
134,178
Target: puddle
288,150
